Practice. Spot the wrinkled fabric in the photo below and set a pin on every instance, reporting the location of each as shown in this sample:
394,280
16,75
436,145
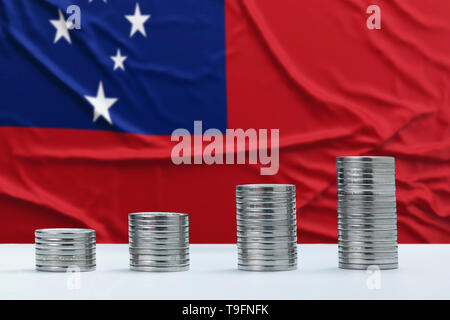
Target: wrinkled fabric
336,88
311,69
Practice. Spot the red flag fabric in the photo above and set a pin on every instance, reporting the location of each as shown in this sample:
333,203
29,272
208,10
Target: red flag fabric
309,68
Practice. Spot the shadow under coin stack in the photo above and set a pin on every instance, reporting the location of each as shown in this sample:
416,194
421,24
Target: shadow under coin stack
62,250
159,241
266,227
367,216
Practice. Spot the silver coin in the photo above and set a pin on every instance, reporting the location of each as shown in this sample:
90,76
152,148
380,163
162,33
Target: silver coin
260,228
159,235
150,241
349,208
160,263
366,243
365,207
144,243
266,243
380,169
266,218
271,252
364,223
357,167
265,205
392,247
367,195
370,177
161,223
387,161
162,253
258,235
366,237
273,239
64,257
268,253
391,188
358,171
63,233
158,232
342,214
280,211
366,267
157,226
247,201
64,269
372,184
368,255
359,191
345,217
64,248
361,253
266,187
257,199
134,251
52,239
247,245
246,237
354,201
267,268
280,214
355,242
60,263
363,212
267,262
158,215
167,260
263,260
65,240
159,269
377,233
369,261
159,247
370,159
365,182
44,257
366,220
146,257
133,242
176,228
65,252
264,223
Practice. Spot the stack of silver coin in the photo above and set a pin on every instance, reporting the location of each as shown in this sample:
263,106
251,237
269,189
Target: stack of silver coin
61,250
266,227
367,216
159,241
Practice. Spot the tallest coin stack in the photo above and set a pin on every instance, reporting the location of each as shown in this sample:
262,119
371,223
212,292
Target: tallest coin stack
367,217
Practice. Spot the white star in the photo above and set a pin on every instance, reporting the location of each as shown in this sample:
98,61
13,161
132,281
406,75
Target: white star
118,60
137,21
101,104
62,28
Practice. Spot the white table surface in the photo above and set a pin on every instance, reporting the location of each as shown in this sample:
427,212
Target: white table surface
424,273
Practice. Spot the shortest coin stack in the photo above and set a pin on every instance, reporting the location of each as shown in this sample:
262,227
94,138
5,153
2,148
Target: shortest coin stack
159,241
61,250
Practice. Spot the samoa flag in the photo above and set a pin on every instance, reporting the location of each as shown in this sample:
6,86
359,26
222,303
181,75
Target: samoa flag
91,91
